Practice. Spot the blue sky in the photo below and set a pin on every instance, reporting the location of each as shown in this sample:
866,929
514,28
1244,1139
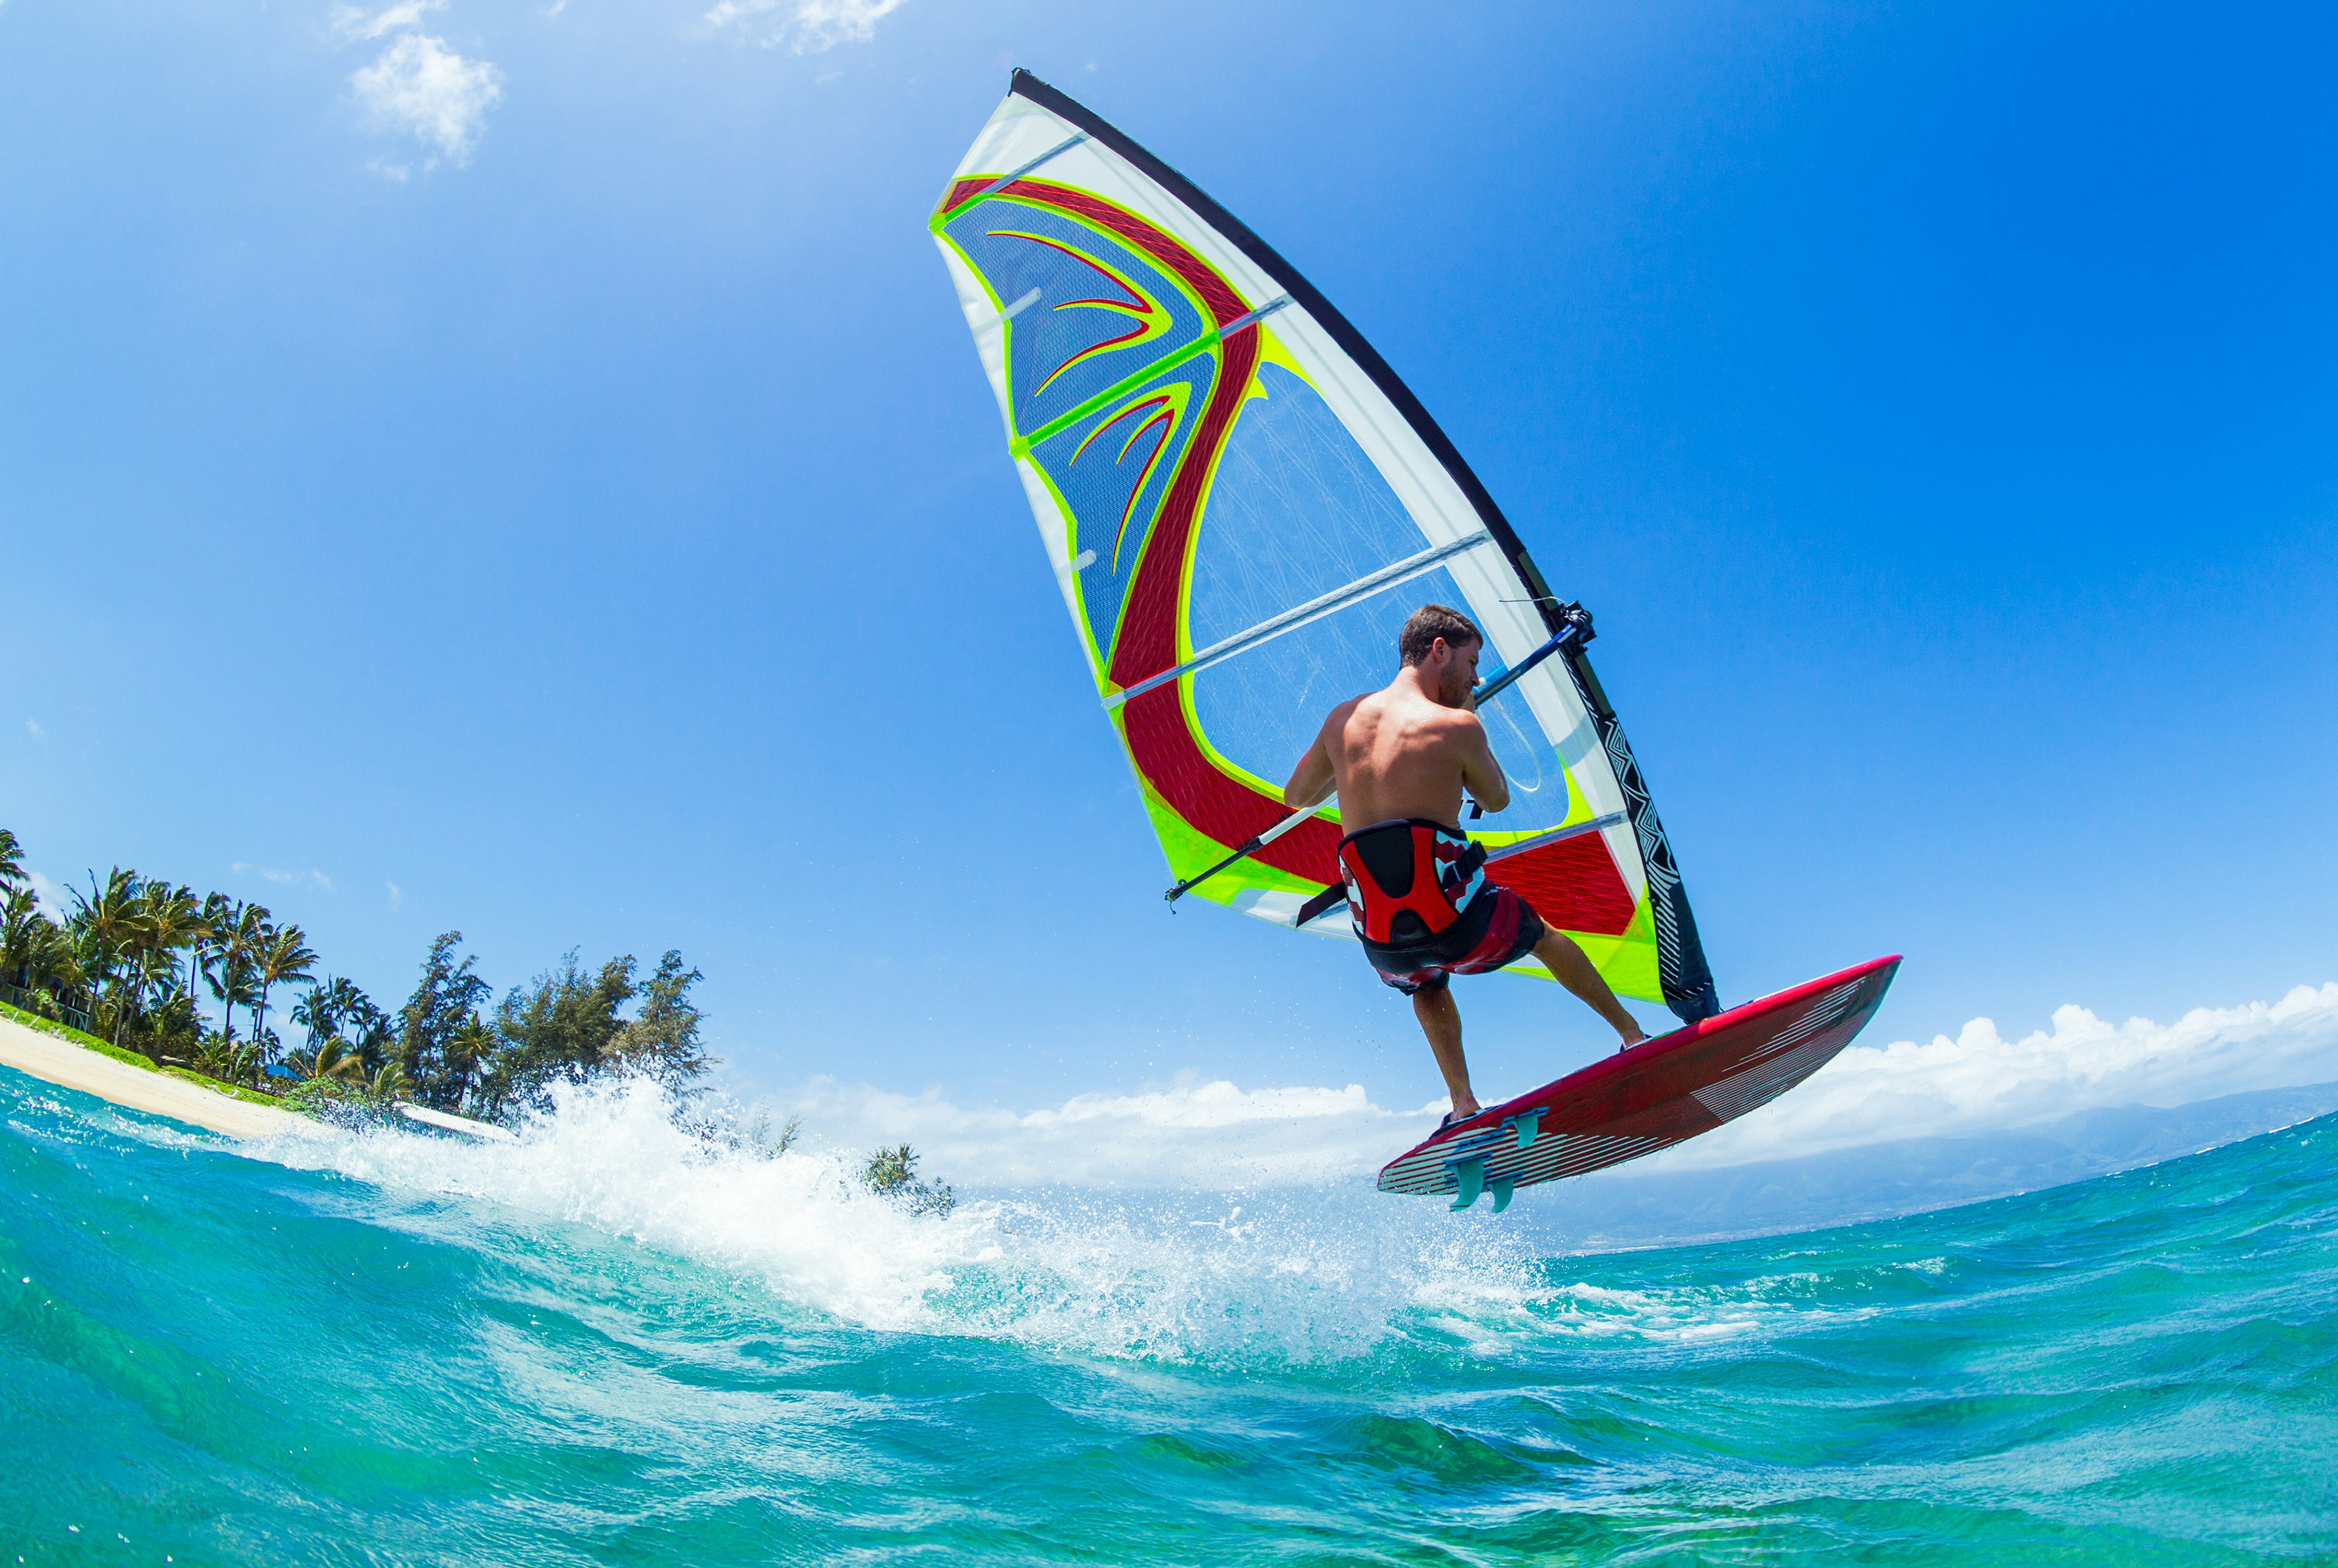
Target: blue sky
520,468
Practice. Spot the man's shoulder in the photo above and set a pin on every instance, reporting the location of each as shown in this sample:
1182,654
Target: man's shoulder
1456,721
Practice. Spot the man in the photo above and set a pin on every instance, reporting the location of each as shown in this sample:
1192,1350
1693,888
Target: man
1399,760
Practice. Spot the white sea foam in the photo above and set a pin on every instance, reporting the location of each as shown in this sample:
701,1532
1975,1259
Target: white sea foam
1285,1276
611,1158
1296,1275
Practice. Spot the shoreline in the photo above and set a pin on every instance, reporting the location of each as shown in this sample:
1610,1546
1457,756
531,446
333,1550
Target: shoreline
69,1066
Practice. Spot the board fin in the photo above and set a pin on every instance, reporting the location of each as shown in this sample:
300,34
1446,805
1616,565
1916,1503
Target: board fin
1526,1124
1469,1177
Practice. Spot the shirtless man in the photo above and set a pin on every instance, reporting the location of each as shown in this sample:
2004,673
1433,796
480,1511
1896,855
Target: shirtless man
1399,760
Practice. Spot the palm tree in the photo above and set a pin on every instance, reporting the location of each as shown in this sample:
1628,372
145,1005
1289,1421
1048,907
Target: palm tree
471,1044
219,912
12,861
369,1026
333,1059
229,1062
22,930
168,919
330,1002
172,1022
284,955
108,921
314,1013
226,956
201,933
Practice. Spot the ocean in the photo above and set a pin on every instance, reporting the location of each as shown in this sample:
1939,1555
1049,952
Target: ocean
613,1344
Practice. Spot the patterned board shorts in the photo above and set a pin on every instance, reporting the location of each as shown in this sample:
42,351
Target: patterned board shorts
1497,928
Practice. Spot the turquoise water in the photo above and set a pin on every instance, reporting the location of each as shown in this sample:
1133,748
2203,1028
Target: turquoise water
608,1346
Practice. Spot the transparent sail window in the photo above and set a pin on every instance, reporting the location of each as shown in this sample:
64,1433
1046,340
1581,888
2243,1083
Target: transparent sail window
1261,709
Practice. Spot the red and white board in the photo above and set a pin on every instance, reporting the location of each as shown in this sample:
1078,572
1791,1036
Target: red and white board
1657,1095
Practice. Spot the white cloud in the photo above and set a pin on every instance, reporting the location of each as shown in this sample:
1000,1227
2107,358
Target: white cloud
1216,1136
34,730
1982,1082
1192,1134
807,26
420,86
357,25
397,897
50,896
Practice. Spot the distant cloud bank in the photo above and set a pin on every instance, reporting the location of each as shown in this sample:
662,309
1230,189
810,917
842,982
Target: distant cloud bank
1980,1081
1215,1135
1192,1133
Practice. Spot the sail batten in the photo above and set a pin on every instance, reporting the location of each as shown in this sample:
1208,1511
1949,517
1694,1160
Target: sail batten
1232,487
1389,576
1050,156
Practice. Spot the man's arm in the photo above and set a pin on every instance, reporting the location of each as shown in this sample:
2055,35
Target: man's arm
1480,774
1310,781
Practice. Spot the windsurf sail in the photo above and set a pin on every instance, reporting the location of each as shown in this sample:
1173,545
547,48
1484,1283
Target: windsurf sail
1243,504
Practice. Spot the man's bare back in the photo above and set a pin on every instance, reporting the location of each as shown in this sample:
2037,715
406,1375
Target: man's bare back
1407,750
1407,753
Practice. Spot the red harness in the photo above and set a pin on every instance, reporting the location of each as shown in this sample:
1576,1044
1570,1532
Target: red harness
1424,891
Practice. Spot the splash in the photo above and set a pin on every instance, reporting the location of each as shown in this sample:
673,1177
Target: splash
1292,1276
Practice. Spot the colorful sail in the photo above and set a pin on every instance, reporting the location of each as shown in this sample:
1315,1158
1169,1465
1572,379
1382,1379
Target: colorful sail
1243,504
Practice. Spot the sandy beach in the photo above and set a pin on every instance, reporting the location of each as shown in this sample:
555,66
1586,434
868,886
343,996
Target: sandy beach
61,1061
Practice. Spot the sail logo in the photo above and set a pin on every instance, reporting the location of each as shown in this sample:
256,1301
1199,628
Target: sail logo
1163,410
1151,319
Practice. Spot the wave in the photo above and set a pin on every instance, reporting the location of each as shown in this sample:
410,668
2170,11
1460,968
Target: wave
613,1338
1283,1276
1298,1276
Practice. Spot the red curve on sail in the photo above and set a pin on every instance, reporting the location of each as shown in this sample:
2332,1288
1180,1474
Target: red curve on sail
1574,883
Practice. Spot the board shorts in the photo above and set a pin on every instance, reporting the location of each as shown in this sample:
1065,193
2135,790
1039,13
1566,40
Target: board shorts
1423,908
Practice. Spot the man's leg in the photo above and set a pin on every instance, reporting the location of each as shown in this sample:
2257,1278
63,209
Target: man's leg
1440,1020
1571,969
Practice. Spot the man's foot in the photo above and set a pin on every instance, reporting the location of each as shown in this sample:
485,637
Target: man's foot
1451,1117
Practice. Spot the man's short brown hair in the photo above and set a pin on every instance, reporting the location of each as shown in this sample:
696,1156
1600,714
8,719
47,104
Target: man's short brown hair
1429,622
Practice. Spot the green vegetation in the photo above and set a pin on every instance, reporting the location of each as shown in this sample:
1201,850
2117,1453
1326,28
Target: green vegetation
893,1174
125,970
62,1031
123,973
73,1036
232,1091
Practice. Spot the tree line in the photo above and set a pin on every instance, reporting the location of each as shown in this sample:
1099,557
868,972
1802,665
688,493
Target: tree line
134,959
